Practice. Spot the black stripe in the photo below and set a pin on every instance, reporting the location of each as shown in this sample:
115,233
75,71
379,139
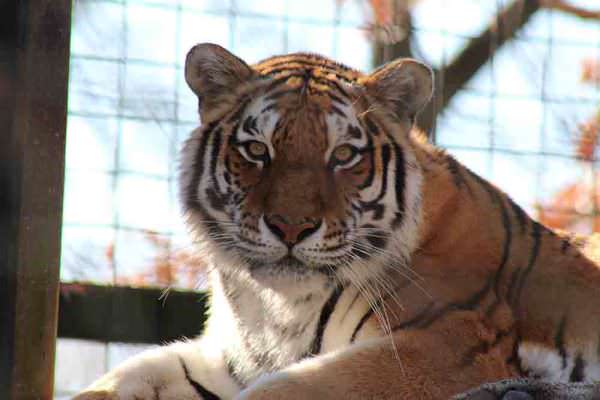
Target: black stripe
326,312
379,303
354,132
200,390
273,83
385,159
536,235
192,202
291,65
577,374
362,321
377,239
512,286
519,214
236,114
369,181
564,246
336,99
371,126
285,68
303,57
373,205
399,185
514,356
416,320
484,347
333,84
231,370
249,125
309,62
454,169
503,261
280,93
428,316
214,156
307,75
496,198
492,192
198,164
559,341
269,107
337,110
506,247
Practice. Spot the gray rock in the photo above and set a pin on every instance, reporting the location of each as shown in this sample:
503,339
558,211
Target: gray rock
527,389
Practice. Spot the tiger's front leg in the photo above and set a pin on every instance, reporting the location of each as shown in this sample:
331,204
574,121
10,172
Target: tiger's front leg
183,370
426,364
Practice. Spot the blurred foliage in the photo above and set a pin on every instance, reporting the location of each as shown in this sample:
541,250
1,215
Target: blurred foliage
576,206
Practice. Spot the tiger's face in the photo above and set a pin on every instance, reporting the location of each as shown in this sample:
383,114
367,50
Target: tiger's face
303,165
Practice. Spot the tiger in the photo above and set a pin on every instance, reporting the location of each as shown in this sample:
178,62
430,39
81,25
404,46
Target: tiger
351,258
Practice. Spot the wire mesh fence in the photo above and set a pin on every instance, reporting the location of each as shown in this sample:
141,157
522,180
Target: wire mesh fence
526,120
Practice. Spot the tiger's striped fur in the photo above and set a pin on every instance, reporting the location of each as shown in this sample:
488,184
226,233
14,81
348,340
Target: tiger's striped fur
382,270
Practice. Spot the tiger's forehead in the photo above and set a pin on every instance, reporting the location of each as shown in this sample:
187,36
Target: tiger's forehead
302,108
309,64
301,118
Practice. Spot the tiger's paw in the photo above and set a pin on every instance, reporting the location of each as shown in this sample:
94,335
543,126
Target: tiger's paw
137,390
96,395
132,392
118,386
166,393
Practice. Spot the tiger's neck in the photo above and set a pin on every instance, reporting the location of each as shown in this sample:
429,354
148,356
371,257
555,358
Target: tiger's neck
473,236
265,324
459,226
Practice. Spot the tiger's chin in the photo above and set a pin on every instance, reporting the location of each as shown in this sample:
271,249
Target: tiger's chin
289,265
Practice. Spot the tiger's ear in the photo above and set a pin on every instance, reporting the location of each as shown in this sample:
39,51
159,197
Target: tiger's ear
211,71
405,85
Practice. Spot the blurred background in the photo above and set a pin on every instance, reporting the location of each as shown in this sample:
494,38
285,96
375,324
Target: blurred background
517,101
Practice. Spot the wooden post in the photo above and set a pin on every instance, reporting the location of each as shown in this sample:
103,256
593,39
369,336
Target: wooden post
34,59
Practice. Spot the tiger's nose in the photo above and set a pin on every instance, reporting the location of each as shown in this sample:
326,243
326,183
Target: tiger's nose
290,232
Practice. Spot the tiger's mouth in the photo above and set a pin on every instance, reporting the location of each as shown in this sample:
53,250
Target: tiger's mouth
287,262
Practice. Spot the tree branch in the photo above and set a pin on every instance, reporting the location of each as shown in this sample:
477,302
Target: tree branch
450,79
568,8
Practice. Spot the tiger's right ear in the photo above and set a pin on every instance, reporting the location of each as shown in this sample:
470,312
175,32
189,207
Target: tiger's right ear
211,72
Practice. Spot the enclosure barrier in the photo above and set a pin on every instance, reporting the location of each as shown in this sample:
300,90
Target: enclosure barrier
34,60
137,315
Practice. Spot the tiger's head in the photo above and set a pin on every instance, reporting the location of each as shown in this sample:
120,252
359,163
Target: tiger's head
303,165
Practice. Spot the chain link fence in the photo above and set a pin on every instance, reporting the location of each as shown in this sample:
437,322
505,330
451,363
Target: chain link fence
526,120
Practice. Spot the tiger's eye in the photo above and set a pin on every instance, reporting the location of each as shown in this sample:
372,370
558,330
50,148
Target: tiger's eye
343,154
257,149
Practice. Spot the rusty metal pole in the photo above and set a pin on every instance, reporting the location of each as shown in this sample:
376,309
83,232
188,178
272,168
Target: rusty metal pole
34,60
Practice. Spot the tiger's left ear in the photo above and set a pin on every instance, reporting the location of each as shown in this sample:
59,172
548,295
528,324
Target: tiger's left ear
404,85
